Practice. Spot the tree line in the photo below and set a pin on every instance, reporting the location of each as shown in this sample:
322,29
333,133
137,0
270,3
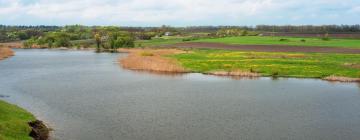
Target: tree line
310,28
109,37
112,37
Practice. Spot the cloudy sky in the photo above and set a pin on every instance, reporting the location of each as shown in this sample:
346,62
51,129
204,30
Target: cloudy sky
178,12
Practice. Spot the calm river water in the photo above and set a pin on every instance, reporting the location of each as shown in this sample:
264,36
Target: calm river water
86,96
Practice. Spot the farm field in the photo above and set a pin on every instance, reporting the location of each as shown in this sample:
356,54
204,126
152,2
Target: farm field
304,65
292,41
157,42
262,48
332,35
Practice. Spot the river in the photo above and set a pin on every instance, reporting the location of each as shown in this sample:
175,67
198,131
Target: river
87,96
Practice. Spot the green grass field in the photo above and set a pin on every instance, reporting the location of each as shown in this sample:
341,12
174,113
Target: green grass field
309,65
157,42
295,41
14,122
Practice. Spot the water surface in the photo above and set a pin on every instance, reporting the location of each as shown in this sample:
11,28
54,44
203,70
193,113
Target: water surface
87,96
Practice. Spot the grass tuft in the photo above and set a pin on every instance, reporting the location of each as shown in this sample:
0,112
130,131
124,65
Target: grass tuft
283,40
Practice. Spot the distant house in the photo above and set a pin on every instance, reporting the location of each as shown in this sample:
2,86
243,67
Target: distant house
168,34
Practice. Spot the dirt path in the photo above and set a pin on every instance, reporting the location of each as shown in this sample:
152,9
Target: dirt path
265,48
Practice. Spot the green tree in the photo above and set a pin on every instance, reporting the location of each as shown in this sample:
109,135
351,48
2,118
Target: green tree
22,35
120,40
98,40
29,43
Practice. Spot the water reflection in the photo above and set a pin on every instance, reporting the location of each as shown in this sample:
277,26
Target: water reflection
240,77
4,96
159,73
207,76
105,51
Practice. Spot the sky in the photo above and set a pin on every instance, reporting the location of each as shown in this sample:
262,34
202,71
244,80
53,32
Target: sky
179,12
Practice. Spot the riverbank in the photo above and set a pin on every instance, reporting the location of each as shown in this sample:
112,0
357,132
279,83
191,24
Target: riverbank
326,66
18,124
20,45
14,122
14,45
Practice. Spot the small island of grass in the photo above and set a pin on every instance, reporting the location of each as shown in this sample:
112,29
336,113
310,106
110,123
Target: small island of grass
327,66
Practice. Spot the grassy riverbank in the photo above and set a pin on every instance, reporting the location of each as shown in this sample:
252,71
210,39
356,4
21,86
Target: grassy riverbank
293,41
14,122
305,65
333,67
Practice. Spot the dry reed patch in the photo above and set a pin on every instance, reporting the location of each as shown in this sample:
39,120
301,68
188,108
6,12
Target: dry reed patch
5,52
152,60
20,45
341,79
17,44
237,73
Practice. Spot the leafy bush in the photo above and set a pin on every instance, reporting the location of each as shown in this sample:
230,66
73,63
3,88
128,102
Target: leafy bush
275,74
62,40
192,38
120,40
145,35
326,37
283,39
83,43
29,43
186,39
244,33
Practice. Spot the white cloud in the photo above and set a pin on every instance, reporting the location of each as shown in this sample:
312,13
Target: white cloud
164,11
355,10
9,7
